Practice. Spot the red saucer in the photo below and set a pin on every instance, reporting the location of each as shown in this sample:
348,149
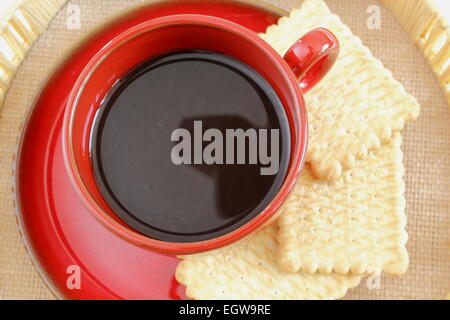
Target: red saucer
58,231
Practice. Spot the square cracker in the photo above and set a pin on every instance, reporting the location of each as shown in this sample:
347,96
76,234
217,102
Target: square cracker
248,270
354,224
356,107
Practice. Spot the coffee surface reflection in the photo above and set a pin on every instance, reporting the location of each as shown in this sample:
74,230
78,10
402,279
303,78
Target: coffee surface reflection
132,146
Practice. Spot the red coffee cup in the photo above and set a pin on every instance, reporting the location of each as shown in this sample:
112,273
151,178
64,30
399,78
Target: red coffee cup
305,63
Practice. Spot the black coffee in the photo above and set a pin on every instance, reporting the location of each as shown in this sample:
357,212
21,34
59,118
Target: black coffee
172,188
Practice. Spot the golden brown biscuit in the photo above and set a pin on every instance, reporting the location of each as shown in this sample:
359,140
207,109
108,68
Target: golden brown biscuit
354,224
248,270
356,107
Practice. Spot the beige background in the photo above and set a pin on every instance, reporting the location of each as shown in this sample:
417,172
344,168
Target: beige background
426,146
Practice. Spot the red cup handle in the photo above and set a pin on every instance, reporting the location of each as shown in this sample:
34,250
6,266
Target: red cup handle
311,57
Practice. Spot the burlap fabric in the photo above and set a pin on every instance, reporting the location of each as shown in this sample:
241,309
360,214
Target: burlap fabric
426,146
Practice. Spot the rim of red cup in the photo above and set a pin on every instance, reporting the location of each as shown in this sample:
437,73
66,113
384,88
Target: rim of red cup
297,155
